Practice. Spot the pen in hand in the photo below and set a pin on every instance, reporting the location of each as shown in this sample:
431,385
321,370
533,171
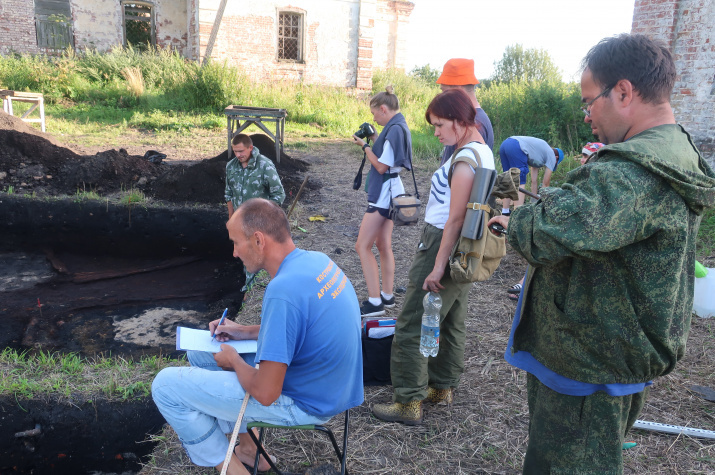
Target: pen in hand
220,322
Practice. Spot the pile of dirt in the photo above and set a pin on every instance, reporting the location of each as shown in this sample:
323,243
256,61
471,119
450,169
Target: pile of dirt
33,162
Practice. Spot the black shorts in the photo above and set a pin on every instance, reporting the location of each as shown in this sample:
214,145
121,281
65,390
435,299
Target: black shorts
385,213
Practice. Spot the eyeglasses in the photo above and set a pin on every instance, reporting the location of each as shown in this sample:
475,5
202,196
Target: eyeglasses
587,108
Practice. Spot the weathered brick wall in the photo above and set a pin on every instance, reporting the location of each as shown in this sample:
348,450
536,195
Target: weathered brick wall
248,37
688,28
343,40
390,30
17,27
192,27
97,24
172,25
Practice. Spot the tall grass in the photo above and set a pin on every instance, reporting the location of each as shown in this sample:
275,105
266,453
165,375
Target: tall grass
181,95
135,81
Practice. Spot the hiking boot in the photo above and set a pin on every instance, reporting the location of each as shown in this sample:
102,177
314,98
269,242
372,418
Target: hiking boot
369,310
409,414
388,303
439,396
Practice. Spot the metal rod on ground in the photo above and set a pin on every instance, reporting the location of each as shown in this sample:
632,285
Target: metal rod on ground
671,429
528,193
234,436
300,190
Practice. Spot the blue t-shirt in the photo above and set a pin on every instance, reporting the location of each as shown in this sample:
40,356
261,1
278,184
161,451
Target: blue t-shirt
538,151
310,321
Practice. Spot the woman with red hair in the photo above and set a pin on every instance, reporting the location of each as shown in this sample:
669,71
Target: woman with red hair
414,377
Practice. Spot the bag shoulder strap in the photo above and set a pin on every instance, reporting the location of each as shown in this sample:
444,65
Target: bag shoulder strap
454,160
405,131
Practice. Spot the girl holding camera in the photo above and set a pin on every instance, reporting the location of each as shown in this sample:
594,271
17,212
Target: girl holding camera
388,155
414,377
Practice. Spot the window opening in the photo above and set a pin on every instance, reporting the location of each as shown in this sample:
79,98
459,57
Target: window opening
290,36
138,25
53,24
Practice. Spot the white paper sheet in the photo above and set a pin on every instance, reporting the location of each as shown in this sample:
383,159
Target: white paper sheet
200,340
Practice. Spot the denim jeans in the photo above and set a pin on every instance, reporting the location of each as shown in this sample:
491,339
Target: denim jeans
202,402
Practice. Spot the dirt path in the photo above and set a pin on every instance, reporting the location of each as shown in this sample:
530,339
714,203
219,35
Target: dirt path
485,430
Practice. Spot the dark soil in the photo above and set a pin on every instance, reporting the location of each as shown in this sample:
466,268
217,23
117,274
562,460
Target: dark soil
483,431
98,276
32,162
75,436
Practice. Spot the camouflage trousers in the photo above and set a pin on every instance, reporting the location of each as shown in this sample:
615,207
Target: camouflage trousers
577,435
409,370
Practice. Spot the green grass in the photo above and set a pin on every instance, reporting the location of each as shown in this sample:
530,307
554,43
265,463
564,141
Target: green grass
82,195
89,98
29,375
132,196
706,236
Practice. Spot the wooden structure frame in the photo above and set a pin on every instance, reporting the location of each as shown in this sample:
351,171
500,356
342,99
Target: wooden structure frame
35,98
257,116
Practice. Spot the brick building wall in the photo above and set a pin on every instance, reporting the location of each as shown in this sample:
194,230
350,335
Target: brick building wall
17,27
97,24
391,22
342,42
688,28
339,42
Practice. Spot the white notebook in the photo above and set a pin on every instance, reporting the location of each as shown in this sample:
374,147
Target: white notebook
200,340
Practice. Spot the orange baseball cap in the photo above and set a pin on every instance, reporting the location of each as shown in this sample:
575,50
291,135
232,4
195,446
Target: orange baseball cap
458,72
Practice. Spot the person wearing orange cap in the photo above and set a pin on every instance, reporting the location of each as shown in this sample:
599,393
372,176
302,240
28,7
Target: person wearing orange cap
459,73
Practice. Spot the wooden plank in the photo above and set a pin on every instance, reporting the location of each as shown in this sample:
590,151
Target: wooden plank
214,32
53,7
84,277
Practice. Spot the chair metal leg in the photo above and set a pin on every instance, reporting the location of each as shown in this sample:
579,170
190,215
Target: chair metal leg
344,460
341,454
261,451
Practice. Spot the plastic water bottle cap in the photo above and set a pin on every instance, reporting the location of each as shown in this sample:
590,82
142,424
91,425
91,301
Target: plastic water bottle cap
700,270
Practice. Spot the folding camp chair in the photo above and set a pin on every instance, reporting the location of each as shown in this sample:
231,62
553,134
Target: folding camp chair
342,455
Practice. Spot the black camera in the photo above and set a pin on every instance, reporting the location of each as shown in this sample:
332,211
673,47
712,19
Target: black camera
366,130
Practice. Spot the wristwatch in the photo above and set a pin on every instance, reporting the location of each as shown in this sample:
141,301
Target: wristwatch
365,146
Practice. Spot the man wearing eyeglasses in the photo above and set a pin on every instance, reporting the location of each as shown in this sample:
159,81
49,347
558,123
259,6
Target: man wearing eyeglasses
608,295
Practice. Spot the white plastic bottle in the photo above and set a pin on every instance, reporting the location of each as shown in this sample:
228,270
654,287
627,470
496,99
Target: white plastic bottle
429,340
704,292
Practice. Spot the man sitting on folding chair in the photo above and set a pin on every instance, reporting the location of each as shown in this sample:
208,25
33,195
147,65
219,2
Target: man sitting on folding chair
308,347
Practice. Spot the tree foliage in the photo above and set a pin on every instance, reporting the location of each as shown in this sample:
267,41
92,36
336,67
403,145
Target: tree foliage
529,65
426,73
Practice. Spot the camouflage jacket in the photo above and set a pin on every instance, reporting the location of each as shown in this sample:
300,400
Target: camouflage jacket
609,293
258,180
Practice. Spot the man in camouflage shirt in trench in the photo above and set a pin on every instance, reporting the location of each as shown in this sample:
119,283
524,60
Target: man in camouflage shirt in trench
608,296
250,175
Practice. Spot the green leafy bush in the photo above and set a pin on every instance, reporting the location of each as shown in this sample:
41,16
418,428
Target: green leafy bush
548,110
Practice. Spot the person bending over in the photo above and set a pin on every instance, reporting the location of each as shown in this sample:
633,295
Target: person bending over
528,152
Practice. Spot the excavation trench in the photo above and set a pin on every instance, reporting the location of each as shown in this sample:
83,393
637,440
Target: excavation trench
94,276
99,278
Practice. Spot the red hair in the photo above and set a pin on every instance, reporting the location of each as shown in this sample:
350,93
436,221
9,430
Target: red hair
452,104
455,105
